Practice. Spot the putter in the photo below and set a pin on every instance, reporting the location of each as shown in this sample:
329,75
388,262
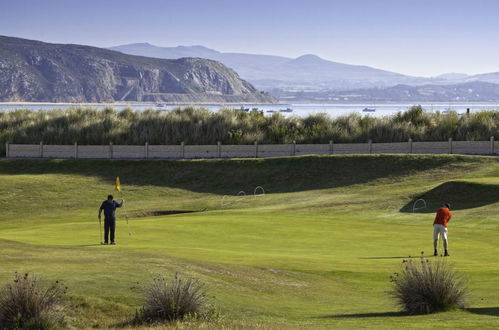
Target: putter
100,230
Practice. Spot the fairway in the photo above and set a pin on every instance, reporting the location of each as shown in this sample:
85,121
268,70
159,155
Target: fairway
316,251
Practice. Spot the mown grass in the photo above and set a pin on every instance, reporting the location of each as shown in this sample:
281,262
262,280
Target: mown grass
201,126
315,252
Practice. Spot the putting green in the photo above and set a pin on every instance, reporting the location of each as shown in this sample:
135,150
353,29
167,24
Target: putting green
315,252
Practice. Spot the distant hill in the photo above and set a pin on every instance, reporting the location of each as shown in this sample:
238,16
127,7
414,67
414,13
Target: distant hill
307,74
476,91
452,76
41,72
266,71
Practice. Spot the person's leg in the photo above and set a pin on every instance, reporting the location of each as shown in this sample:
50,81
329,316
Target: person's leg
446,244
106,231
436,235
112,226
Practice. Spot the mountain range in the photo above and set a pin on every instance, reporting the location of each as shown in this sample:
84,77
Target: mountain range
35,71
298,79
307,72
475,91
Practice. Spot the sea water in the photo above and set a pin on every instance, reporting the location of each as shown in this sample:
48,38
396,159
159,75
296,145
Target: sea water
300,110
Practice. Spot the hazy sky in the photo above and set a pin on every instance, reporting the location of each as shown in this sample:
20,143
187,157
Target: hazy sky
418,37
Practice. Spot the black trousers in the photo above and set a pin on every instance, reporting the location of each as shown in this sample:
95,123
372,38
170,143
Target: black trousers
109,227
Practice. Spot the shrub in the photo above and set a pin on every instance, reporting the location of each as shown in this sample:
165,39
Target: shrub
26,304
174,299
426,286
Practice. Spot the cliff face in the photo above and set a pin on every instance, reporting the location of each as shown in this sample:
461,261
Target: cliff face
34,71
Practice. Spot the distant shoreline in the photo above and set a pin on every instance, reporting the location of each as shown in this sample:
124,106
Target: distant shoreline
242,103
139,103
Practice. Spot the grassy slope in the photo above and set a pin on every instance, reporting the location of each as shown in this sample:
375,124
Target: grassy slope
316,251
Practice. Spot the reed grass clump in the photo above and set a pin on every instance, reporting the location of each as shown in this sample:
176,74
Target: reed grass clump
425,287
27,304
174,299
88,126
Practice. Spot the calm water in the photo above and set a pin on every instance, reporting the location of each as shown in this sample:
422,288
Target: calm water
300,110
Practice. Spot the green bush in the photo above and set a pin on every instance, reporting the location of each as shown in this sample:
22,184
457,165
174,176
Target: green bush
26,304
426,286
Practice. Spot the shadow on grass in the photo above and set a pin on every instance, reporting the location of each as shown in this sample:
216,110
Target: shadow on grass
491,311
276,175
365,315
406,257
145,214
460,194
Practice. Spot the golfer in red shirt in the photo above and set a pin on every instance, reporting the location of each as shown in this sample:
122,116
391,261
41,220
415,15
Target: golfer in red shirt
442,218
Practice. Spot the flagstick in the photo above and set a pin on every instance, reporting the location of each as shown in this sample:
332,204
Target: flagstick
117,187
126,217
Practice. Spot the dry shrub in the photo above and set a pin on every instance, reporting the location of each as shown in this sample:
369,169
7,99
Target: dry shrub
27,304
426,286
176,298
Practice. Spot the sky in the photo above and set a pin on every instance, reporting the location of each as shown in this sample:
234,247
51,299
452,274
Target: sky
416,37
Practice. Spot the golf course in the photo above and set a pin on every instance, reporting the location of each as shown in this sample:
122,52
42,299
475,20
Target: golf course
315,248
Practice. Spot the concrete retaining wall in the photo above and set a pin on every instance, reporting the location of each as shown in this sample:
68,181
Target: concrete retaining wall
246,151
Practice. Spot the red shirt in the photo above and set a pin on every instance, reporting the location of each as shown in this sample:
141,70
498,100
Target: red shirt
443,216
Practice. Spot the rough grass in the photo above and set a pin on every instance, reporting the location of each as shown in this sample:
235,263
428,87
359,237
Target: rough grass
315,252
201,126
427,286
172,299
26,304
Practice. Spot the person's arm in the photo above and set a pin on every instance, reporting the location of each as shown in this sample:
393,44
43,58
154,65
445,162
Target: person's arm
120,204
437,216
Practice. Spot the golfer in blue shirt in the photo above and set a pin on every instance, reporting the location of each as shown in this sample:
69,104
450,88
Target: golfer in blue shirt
109,206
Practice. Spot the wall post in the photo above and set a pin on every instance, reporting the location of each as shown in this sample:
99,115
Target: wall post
182,151
76,150
410,145
41,149
256,149
331,147
450,145
7,149
491,148
219,149
370,146
110,150
293,149
146,150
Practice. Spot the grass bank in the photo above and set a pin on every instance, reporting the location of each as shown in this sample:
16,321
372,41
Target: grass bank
315,252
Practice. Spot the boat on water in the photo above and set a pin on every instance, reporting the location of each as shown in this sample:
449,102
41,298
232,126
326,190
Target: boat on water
271,111
160,105
243,109
286,110
368,110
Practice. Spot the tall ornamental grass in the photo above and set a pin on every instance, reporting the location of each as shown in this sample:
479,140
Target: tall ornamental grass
89,126
174,299
27,304
427,286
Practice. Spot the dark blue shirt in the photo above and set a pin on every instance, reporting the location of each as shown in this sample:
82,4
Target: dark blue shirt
110,208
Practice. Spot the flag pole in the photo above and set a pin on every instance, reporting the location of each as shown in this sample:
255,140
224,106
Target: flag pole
117,187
